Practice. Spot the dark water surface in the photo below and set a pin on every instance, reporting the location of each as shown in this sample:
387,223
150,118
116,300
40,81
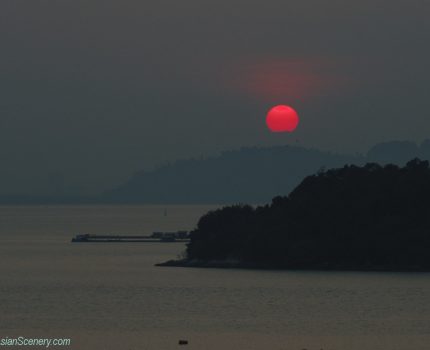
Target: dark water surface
110,296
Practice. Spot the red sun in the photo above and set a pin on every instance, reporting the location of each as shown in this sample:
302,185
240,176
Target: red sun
282,118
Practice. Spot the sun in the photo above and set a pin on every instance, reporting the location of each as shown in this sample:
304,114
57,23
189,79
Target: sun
282,118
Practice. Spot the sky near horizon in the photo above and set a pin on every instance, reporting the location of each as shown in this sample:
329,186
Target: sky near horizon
91,91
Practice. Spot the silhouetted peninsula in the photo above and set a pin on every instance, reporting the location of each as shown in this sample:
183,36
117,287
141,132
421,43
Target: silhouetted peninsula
352,218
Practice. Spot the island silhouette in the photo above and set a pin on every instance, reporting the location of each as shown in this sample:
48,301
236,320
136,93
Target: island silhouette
369,217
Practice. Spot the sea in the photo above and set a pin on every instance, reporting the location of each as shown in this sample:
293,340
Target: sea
111,296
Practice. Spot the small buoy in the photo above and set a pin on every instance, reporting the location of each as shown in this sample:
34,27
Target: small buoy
183,342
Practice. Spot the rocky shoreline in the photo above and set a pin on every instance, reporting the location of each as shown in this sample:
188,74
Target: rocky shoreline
236,264
211,263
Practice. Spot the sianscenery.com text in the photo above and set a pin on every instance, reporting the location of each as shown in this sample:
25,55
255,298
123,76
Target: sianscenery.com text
45,342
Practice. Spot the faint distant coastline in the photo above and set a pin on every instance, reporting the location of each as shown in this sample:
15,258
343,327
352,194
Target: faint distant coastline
248,175
46,200
252,175
370,218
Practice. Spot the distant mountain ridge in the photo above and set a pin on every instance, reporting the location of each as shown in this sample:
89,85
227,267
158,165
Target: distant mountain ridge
398,152
251,174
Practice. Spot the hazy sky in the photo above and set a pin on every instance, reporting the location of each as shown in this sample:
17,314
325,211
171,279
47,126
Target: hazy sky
91,91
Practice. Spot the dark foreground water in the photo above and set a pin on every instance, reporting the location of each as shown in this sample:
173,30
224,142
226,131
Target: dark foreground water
110,296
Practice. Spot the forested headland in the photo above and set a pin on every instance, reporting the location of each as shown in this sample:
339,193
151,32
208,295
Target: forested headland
371,217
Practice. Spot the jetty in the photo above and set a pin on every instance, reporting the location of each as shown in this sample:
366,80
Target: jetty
164,237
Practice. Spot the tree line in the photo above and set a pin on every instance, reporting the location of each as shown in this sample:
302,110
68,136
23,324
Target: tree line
368,217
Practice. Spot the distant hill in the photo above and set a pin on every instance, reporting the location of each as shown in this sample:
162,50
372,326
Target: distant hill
351,218
398,152
252,175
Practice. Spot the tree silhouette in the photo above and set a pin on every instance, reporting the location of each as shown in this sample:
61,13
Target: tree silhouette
369,217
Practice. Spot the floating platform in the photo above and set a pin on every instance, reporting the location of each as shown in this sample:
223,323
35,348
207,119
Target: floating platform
87,238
